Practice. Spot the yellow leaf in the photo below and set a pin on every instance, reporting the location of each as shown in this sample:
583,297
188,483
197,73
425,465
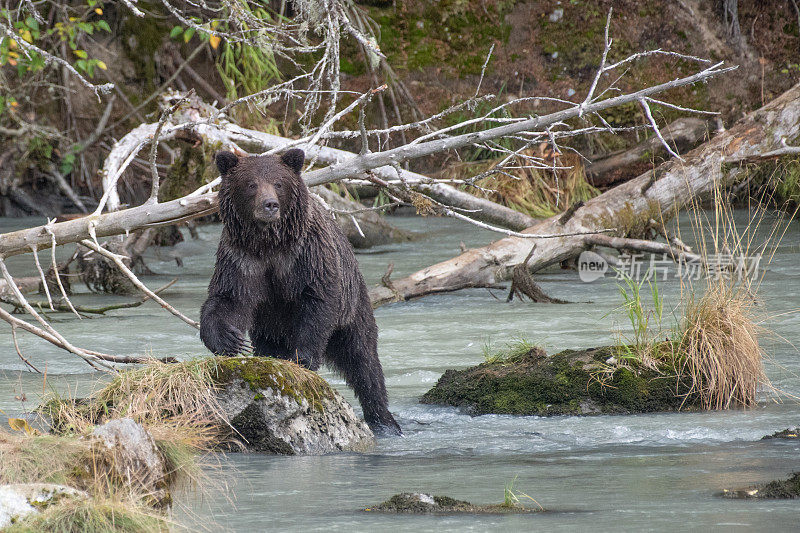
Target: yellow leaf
214,41
20,424
13,104
12,44
102,65
98,11
25,34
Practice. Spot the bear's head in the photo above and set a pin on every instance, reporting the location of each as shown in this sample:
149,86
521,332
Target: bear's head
264,187
265,193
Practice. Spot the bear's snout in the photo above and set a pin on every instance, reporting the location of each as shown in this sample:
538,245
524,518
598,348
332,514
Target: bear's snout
269,210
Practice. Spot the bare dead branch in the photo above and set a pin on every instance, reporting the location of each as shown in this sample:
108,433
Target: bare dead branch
117,259
93,360
19,352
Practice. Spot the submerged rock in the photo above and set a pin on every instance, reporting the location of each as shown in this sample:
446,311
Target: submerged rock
421,503
278,407
788,434
781,489
20,500
567,383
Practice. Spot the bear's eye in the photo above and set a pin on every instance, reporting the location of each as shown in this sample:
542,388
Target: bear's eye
278,185
252,186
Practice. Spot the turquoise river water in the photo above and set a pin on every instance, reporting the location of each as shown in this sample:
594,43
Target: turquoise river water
655,472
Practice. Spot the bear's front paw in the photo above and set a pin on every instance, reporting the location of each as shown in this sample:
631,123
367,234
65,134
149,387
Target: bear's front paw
226,341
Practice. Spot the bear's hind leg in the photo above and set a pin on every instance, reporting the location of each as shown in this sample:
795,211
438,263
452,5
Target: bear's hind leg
355,356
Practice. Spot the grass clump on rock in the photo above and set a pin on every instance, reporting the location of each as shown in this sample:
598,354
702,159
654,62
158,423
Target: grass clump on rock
121,451
719,347
173,407
174,402
97,497
715,362
96,515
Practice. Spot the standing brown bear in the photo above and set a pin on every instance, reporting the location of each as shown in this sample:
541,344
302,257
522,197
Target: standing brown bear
287,275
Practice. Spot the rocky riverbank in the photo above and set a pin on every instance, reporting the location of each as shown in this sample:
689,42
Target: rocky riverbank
117,455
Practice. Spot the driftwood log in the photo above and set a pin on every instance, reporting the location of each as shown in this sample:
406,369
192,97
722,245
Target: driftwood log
631,205
682,135
362,227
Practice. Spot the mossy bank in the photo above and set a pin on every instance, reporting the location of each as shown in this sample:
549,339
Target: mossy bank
568,383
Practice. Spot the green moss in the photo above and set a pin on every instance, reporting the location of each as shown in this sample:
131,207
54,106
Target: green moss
284,376
455,34
564,383
347,66
631,223
573,44
141,38
190,171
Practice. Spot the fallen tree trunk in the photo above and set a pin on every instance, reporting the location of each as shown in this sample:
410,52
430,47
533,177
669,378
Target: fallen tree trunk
627,208
362,227
25,285
682,134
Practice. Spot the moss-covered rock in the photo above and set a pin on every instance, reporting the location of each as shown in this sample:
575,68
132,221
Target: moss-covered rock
276,406
421,503
266,405
787,489
567,383
786,434
20,500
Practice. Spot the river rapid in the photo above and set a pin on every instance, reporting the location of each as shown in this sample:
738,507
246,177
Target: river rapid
655,472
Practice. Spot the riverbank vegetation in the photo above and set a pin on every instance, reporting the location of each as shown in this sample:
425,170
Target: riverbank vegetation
119,487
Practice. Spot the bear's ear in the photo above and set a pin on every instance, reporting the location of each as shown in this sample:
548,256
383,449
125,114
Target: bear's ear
294,159
225,161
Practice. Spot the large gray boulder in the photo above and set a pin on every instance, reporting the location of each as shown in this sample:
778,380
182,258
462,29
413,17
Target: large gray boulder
278,407
136,459
20,500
